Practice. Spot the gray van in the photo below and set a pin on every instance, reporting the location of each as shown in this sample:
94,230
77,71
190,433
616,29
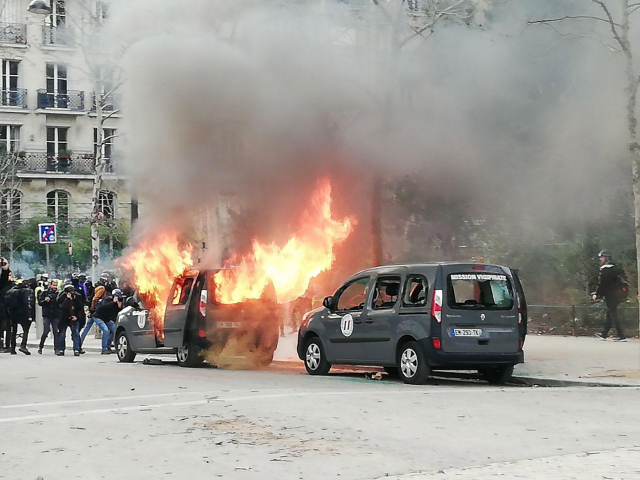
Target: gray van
412,319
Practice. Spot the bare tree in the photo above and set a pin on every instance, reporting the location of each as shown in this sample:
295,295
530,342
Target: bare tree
616,20
9,198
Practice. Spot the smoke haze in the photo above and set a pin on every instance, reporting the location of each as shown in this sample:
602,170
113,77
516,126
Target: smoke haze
260,98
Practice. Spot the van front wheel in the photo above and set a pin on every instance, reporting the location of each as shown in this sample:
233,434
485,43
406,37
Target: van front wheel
314,359
498,374
412,366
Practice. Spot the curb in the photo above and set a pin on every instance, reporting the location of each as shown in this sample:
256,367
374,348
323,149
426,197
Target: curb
35,345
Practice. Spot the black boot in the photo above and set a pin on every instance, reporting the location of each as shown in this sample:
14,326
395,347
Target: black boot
24,350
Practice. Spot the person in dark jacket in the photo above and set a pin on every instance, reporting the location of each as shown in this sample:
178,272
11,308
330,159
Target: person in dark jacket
107,312
48,300
5,286
612,285
21,308
71,307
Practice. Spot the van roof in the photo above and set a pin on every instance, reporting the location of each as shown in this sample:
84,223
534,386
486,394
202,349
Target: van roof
383,268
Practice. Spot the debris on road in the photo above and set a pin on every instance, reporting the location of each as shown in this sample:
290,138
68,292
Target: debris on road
152,361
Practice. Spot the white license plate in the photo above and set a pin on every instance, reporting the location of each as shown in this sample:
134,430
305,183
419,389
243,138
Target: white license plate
467,332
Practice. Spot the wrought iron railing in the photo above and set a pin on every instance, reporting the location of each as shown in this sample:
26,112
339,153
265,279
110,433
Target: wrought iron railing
70,100
60,35
14,98
44,163
109,103
15,33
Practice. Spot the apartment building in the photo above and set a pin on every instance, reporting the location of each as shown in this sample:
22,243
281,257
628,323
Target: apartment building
48,120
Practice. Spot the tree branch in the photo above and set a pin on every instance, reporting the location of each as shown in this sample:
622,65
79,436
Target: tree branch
612,24
570,17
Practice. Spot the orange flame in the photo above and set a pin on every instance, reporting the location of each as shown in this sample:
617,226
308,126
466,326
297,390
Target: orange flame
289,268
155,263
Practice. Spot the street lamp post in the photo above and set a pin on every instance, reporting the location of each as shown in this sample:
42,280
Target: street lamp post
40,7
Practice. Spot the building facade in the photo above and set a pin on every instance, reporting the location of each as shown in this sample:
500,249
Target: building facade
48,121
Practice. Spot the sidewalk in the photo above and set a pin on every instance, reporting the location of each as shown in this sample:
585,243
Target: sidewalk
572,359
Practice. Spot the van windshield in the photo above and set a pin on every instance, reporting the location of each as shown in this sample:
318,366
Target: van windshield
480,291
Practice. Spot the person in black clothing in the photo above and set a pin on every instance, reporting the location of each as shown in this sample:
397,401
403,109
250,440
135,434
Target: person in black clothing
108,313
21,307
5,285
71,307
48,300
612,286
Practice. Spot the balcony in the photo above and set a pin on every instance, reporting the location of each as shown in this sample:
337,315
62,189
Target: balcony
76,164
13,33
56,36
13,98
41,163
71,100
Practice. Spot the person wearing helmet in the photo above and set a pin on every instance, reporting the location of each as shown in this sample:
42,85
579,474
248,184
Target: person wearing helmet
108,313
613,288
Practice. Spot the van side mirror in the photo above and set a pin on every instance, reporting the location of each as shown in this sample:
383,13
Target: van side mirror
328,303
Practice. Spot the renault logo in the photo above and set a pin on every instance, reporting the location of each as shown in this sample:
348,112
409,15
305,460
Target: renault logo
482,317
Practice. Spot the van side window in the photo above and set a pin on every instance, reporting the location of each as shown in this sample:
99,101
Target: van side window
182,290
385,295
415,291
352,296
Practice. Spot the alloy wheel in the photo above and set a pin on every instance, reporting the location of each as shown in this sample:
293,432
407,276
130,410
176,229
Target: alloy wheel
409,362
183,353
313,356
122,346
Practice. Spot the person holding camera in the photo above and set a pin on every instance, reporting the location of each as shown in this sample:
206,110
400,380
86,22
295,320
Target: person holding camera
107,313
5,285
48,300
71,307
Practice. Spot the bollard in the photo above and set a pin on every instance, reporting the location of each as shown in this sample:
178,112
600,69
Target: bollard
574,320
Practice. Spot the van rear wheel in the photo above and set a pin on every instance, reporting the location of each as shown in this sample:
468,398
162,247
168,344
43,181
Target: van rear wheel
188,355
412,366
497,374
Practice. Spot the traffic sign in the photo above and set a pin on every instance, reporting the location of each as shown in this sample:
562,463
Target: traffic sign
47,233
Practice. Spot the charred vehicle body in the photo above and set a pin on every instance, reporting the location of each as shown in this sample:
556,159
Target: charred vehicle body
195,324
412,319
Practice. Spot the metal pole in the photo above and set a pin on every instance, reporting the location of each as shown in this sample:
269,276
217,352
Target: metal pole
48,261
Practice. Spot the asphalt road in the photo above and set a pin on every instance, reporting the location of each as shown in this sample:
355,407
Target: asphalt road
92,418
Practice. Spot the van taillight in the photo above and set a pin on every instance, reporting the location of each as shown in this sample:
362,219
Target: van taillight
436,305
202,307
437,344
519,311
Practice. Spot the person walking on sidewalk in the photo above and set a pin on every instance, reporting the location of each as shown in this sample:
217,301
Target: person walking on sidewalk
48,300
613,288
107,313
97,301
21,308
70,310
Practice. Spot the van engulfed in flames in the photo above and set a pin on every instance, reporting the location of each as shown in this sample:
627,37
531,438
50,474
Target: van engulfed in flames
289,269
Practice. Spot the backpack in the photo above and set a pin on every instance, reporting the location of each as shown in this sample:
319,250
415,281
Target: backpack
12,300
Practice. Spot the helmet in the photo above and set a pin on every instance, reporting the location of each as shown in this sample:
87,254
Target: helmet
116,292
605,253
69,288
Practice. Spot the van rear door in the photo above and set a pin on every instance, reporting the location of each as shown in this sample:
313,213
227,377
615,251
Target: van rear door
178,307
479,311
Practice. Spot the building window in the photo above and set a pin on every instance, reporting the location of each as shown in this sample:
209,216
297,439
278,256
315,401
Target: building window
57,144
10,137
107,203
58,205
9,82
108,138
10,202
57,91
58,16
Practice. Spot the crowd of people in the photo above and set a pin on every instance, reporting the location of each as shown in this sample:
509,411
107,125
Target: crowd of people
74,305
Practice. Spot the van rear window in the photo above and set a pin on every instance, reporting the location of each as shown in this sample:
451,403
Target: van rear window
480,291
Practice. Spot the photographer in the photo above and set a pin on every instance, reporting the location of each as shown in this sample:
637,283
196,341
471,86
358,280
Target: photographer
21,308
107,313
5,285
71,307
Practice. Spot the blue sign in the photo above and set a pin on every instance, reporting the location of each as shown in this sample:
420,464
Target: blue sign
48,233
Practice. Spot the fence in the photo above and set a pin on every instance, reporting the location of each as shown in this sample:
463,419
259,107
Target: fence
578,319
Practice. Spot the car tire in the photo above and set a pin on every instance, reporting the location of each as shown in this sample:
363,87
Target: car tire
188,355
315,361
392,371
412,365
123,348
497,374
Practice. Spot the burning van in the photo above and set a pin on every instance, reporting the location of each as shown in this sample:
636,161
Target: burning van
196,326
